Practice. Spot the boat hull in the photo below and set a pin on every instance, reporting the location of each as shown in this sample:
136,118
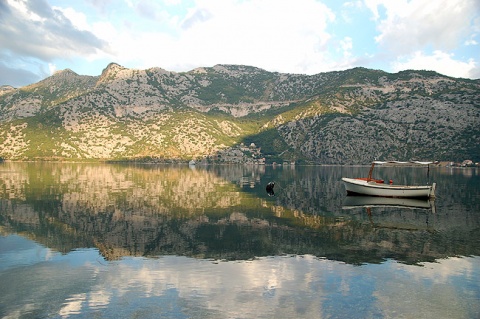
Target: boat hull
363,187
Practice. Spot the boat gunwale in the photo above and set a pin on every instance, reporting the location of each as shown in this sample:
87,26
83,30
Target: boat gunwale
361,182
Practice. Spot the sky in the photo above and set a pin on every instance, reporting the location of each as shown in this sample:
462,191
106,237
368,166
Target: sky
39,37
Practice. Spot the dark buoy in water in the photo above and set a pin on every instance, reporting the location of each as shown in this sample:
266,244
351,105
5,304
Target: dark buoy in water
269,189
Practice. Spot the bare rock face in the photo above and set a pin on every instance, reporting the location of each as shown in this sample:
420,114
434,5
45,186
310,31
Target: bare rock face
6,89
350,116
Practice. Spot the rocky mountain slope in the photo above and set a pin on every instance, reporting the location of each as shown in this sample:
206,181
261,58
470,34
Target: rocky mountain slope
351,116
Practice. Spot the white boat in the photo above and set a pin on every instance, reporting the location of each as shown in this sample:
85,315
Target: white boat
400,219
374,187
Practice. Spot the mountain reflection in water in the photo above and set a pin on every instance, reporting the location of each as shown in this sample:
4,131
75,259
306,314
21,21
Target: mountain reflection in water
224,213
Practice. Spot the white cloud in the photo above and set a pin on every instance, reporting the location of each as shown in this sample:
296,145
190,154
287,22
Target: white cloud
78,19
286,36
440,298
22,8
440,62
220,288
373,6
302,36
32,29
172,2
346,45
445,270
72,305
129,3
411,25
52,68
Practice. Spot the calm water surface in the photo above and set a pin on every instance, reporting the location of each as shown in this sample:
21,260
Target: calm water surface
124,241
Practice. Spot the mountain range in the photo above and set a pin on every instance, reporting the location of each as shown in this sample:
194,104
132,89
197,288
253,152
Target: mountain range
234,113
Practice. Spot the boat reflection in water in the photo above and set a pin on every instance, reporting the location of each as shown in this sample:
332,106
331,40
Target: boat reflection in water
400,204
374,201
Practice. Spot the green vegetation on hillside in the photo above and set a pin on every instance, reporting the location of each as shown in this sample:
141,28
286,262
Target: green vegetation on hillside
348,116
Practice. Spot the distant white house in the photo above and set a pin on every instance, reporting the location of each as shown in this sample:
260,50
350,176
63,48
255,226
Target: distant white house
467,163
